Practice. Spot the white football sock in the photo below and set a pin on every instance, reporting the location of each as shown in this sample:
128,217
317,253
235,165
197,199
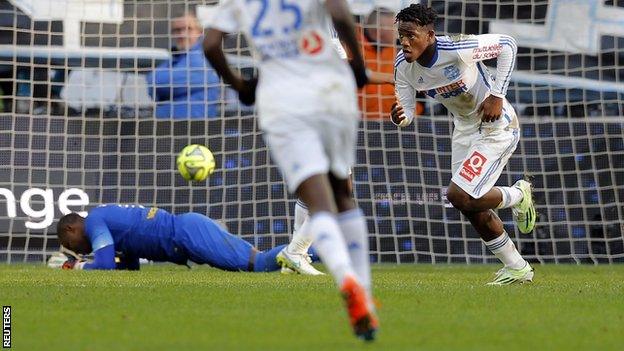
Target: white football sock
353,226
505,250
511,196
330,245
301,239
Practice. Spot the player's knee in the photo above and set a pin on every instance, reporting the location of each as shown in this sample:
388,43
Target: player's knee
459,199
316,192
342,193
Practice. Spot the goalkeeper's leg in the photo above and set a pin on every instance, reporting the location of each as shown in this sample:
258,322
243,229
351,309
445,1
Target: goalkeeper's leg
206,242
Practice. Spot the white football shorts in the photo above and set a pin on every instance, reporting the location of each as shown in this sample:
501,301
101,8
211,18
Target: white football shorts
478,158
302,147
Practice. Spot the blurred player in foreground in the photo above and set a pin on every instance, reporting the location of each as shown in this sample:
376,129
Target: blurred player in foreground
307,108
294,258
486,133
134,232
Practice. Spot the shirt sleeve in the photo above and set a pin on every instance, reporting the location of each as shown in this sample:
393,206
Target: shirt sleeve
405,93
104,258
97,231
489,46
225,17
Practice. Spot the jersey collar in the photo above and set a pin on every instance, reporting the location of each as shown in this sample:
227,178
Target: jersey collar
434,58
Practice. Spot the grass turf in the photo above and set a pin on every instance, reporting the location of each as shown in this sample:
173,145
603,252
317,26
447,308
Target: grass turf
166,307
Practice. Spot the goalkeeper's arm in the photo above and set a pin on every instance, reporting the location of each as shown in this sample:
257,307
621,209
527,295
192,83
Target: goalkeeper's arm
103,258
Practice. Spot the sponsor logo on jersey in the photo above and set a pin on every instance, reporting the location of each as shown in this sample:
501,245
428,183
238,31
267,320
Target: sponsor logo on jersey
449,91
487,52
473,166
451,72
311,43
278,49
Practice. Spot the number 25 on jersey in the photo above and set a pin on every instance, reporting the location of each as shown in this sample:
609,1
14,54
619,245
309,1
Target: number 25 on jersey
262,28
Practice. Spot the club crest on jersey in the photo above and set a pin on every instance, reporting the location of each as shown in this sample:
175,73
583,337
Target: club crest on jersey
473,166
451,72
311,43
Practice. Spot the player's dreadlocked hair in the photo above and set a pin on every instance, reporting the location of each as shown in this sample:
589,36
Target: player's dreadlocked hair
70,218
417,13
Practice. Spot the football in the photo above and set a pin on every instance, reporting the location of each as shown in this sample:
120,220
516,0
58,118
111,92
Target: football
195,162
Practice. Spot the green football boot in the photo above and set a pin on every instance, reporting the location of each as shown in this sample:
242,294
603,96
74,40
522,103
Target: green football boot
524,212
506,275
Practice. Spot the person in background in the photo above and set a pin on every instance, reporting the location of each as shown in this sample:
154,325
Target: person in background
378,40
185,86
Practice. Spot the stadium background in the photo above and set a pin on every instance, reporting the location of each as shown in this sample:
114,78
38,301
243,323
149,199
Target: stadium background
571,144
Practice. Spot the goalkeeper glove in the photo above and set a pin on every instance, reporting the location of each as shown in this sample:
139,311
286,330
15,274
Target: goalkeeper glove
57,260
69,264
65,259
73,263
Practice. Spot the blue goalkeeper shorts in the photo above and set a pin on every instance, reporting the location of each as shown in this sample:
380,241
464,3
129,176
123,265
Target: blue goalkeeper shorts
206,242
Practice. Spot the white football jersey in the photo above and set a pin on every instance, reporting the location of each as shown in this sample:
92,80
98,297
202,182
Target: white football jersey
301,73
458,79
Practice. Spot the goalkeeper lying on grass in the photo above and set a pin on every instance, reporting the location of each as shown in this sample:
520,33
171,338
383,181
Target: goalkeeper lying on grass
134,232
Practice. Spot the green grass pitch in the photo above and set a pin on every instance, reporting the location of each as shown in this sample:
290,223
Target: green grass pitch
423,307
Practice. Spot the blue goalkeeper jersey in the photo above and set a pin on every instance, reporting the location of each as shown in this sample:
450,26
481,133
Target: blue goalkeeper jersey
135,231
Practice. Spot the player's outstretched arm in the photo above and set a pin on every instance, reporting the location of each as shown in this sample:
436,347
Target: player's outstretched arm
345,27
214,54
380,78
373,77
225,20
104,259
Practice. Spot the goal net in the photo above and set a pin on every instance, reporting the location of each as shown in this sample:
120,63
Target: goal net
78,128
